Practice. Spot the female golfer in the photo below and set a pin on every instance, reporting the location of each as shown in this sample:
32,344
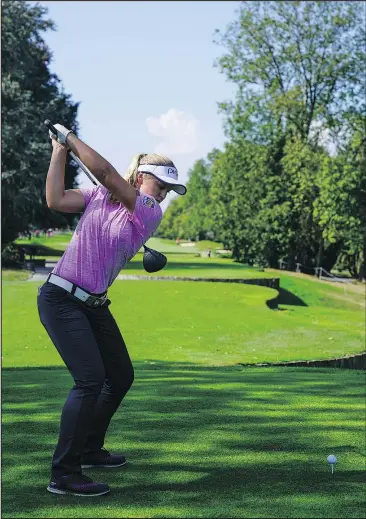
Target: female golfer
118,218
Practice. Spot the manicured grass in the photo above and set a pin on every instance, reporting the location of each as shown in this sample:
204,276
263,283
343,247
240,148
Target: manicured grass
315,292
15,275
60,242
200,442
204,437
189,265
62,239
207,323
57,241
169,246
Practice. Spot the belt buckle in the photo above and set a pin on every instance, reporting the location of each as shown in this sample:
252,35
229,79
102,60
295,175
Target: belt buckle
95,302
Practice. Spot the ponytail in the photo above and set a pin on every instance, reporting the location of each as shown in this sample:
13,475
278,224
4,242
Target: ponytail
131,173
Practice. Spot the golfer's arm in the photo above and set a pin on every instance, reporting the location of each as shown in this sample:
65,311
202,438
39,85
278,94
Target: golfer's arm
104,172
70,201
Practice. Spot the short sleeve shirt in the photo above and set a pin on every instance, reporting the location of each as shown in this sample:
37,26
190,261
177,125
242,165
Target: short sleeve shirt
106,238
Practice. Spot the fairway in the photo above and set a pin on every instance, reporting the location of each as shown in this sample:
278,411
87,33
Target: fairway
208,323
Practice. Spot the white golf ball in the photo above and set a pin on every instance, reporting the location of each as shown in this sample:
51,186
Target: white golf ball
332,459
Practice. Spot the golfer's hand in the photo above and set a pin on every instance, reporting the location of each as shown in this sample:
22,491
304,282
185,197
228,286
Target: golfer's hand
56,145
62,133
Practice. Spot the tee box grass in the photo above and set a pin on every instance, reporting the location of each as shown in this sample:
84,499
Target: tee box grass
200,441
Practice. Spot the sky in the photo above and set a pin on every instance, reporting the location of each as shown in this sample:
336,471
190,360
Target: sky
143,74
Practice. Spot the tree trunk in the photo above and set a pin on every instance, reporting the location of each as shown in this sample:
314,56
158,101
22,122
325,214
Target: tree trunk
319,258
330,255
361,273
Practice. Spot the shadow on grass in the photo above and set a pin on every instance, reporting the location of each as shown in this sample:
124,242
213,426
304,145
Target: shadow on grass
40,250
201,442
286,297
180,265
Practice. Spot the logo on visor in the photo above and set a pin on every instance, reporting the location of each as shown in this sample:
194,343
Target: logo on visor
172,172
149,202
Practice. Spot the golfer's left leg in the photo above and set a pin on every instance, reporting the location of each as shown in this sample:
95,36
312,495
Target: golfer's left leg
118,372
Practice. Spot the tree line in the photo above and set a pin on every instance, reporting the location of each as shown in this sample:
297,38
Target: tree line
290,182
30,94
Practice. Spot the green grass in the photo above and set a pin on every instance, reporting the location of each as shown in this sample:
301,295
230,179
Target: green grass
15,275
169,246
200,442
315,292
204,436
57,241
53,248
189,265
60,242
207,323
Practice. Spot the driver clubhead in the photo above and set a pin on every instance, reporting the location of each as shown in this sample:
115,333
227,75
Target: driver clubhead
153,260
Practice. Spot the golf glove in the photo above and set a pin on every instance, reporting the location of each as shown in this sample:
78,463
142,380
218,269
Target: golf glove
62,133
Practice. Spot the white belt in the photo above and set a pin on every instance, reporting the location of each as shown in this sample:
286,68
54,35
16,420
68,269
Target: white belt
87,298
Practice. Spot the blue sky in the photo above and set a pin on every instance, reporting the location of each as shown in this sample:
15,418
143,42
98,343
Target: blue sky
143,74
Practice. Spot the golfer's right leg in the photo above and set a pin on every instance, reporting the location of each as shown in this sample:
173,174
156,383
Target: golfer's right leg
70,332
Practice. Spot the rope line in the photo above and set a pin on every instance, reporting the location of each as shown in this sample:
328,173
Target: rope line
320,272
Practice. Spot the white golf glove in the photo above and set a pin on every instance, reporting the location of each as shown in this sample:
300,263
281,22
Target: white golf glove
62,133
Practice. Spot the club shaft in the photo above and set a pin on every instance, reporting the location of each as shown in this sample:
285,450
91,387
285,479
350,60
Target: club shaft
84,168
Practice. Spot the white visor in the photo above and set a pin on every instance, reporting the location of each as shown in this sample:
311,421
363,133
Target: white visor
166,174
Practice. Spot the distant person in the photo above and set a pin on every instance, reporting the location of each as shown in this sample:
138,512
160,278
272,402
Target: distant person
177,241
36,233
209,253
119,216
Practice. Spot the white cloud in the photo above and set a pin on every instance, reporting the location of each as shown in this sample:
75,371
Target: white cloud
179,132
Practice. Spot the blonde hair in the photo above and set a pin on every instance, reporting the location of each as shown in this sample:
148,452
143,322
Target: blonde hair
139,160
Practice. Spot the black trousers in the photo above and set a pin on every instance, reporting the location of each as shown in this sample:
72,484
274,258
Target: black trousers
93,349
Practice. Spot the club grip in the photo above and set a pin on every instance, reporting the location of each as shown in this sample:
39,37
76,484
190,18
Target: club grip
50,126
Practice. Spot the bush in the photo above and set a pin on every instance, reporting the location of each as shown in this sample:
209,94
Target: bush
12,256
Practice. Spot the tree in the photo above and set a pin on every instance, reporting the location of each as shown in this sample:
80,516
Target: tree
295,64
299,69
341,206
30,94
190,216
174,221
